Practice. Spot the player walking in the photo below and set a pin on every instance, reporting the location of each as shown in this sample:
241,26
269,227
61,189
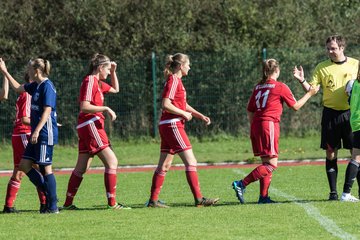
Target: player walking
174,140
92,136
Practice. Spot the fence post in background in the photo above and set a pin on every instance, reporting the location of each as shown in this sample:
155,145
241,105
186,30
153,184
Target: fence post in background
153,64
264,54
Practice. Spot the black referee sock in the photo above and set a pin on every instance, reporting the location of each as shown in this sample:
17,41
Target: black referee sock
331,172
350,175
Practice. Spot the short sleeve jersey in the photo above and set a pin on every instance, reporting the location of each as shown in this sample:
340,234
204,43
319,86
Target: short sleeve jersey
43,95
92,90
266,101
175,91
332,77
23,104
355,107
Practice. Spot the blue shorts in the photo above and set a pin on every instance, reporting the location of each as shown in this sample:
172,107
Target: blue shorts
40,153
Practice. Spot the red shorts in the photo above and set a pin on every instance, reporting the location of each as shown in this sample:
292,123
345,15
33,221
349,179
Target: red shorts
265,138
173,138
19,142
92,137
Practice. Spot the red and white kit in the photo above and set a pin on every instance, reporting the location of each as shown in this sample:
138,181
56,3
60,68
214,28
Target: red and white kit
171,126
21,132
266,102
90,128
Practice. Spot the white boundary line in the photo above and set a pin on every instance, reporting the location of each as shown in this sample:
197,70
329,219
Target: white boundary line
328,224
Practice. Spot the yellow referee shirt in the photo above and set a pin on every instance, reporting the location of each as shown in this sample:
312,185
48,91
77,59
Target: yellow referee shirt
332,78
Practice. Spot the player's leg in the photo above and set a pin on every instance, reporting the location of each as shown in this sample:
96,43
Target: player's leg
82,165
19,143
50,184
107,156
352,170
158,179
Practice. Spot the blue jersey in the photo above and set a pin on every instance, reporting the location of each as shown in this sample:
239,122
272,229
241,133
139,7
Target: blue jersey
43,95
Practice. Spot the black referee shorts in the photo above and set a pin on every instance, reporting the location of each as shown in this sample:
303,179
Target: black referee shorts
335,129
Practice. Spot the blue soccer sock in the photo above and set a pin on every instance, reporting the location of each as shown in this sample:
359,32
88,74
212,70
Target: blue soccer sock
51,197
36,178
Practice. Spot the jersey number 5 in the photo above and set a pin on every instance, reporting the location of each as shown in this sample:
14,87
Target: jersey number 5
263,97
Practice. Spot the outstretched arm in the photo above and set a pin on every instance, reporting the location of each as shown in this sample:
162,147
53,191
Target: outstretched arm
14,84
312,91
4,91
299,75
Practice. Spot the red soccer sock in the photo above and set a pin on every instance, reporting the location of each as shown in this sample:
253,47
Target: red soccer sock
12,190
73,186
110,179
258,173
265,184
157,183
42,196
193,180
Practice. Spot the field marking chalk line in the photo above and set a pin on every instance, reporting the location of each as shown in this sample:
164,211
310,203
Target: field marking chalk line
328,224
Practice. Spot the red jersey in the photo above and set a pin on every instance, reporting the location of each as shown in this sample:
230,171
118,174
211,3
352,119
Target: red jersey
23,104
92,90
175,91
266,101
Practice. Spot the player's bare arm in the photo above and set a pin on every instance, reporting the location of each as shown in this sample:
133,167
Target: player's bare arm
114,79
198,115
312,91
169,107
14,84
299,75
4,91
87,107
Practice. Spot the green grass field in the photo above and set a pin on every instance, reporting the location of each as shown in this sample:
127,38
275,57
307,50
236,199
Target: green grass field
302,211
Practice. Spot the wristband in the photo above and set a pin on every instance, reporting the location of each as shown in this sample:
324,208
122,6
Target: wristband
303,81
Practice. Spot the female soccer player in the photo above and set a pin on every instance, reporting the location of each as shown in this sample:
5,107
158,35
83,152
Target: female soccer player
264,110
4,91
20,138
174,140
44,131
92,136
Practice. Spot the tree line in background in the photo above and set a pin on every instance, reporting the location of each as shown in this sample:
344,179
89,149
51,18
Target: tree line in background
72,29
225,40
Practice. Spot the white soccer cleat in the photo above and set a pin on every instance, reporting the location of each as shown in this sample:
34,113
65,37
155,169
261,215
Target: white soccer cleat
347,197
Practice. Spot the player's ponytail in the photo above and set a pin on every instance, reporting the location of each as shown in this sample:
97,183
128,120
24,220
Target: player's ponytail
42,64
172,62
269,67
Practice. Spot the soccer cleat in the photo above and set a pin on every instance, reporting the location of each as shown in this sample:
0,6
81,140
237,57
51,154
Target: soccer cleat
333,196
10,210
206,202
43,208
70,207
118,206
156,204
347,197
265,200
239,189
51,211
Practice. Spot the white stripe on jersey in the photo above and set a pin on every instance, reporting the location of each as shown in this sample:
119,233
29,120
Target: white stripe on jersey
89,89
28,104
173,87
272,136
50,131
24,139
178,135
96,134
